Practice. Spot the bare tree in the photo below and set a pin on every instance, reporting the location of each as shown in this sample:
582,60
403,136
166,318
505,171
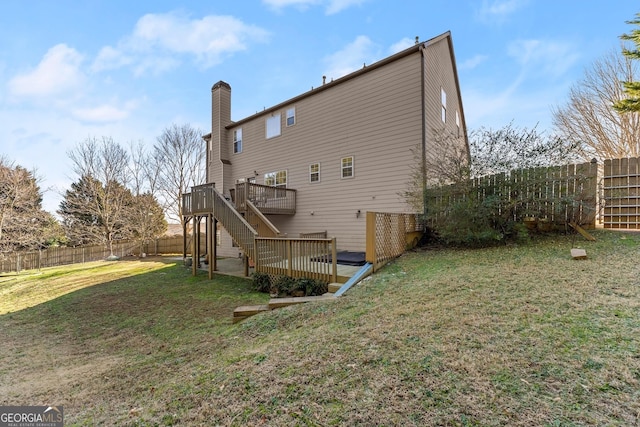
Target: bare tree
179,158
589,118
95,208
512,147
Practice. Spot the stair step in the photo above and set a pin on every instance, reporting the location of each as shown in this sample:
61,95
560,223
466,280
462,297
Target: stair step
249,310
284,302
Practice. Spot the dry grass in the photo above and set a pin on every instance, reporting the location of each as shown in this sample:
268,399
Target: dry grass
520,335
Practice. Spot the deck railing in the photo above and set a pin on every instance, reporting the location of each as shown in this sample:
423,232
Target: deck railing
259,222
311,258
269,200
187,210
238,228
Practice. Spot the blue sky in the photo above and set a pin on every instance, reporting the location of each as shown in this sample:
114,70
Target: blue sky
70,70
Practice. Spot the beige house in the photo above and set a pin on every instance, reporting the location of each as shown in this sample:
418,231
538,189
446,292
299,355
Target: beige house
319,161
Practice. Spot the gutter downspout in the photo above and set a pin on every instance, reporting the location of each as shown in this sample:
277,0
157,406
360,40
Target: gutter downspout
424,133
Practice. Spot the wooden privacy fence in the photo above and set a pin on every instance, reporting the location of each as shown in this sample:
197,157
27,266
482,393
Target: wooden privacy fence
55,256
561,194
52,257
303,257
389,235
620,198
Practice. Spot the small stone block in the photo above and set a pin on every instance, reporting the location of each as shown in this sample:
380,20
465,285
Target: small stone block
579,254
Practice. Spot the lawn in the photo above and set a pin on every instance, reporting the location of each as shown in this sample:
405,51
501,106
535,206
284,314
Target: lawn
519,335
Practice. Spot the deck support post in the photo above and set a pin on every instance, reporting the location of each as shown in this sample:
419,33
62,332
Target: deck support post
214,247
210,247
194,246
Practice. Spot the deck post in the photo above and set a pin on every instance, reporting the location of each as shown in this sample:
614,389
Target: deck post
371,238
245,261
210,246
185,221
194,260
214,248
334,261
289,259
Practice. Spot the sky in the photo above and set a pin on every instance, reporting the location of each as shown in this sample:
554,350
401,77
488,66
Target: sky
126,70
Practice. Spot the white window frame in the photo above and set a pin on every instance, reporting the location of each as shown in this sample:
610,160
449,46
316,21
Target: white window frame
271,179
313,173
237,141
443,98
273,126
344,168
291,116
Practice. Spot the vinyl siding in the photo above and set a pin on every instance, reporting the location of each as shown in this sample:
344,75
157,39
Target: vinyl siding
375,117
440,74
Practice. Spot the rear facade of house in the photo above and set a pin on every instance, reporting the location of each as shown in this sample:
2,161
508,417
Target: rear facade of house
349,146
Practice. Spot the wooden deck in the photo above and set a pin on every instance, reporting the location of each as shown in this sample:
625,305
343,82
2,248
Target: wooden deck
235,267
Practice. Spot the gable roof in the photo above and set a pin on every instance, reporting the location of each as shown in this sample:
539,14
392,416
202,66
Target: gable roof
365,69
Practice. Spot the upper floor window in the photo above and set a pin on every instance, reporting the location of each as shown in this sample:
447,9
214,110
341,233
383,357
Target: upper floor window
314,172
273,126
237,141
346,166
443,97
458,122
291,116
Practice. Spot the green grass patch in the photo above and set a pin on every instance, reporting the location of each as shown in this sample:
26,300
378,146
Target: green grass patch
518,335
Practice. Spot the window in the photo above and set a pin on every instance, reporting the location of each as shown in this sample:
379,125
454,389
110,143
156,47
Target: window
443,97
314,172
237,141
276,179
458,122
347,167
291,116
273,126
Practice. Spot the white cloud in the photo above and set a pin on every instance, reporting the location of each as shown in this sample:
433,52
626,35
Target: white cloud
104,113
158,38
472,62
401,45
499,10
331,6
351,58
548,57
57,73
110,58
336,6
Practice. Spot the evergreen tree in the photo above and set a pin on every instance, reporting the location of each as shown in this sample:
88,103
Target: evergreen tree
631,88
23,222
